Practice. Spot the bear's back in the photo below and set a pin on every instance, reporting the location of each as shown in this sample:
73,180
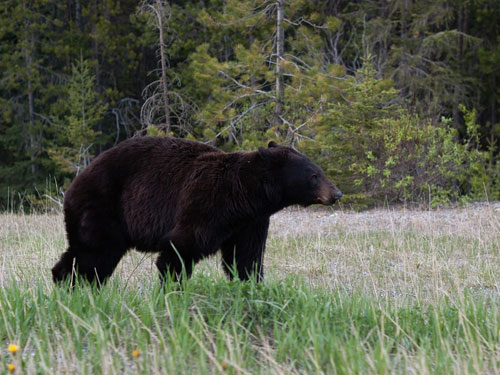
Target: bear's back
137,159
136,182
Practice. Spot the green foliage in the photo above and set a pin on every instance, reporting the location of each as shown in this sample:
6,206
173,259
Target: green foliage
75,125
418,161
239,92
484,182
377,151
153,131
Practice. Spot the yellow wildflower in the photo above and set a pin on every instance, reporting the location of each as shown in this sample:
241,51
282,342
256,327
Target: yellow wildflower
223,364
11,367
136,353
13,348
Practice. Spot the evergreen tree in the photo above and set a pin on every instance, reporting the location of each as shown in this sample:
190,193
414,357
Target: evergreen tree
75,126
259,92
376,151
26,88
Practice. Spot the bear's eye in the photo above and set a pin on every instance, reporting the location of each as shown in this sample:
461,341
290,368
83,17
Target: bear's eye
314,178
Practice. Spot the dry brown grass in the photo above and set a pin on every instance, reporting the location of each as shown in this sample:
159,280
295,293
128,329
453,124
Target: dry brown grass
474,221
402,254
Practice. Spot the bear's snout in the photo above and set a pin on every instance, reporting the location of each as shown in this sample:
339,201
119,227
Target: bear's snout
338,195
328,194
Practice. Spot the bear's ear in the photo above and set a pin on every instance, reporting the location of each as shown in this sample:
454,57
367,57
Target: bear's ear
264,153
272,144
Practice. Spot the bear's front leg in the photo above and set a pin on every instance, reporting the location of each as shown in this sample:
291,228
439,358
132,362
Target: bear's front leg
246,249
177,257
171,265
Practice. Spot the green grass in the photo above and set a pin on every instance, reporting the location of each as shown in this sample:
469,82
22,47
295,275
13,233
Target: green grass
279,327
339,298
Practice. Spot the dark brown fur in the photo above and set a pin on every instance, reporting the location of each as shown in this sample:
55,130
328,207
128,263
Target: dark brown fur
151,192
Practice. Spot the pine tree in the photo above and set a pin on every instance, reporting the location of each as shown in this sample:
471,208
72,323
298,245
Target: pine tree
258,92
75,126
26,85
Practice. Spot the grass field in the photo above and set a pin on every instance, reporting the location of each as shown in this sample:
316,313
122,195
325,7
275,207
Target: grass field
378,292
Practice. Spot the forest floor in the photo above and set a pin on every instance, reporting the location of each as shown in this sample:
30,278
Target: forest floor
386,291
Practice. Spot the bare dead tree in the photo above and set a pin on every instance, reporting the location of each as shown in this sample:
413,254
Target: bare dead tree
163,105
125,116
160,10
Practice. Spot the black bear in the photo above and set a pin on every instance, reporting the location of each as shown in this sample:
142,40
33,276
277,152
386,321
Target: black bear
185,200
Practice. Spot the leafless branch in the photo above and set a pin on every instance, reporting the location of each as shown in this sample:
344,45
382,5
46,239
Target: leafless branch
44,118
241,85
233,122
293,132
117,123
237,99
244,113
302,20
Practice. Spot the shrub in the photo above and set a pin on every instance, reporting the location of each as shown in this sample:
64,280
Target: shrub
484,181
375,150
416,161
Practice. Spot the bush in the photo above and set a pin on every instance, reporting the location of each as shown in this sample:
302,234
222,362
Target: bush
375,150
414,161
485,170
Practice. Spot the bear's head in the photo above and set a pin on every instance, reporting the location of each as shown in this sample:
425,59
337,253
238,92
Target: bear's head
296,179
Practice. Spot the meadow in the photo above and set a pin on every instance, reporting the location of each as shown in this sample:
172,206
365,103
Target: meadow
387,291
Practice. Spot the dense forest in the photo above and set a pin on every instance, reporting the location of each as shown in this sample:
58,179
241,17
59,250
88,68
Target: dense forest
397,100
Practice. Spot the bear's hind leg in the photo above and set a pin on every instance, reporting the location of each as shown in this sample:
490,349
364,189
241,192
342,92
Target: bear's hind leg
64,267
96,245
91,264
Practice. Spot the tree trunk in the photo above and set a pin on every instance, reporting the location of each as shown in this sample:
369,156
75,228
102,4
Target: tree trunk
166,105
95,51
78,15
31,129
30,132
226,44
280,47
493,104
458,89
